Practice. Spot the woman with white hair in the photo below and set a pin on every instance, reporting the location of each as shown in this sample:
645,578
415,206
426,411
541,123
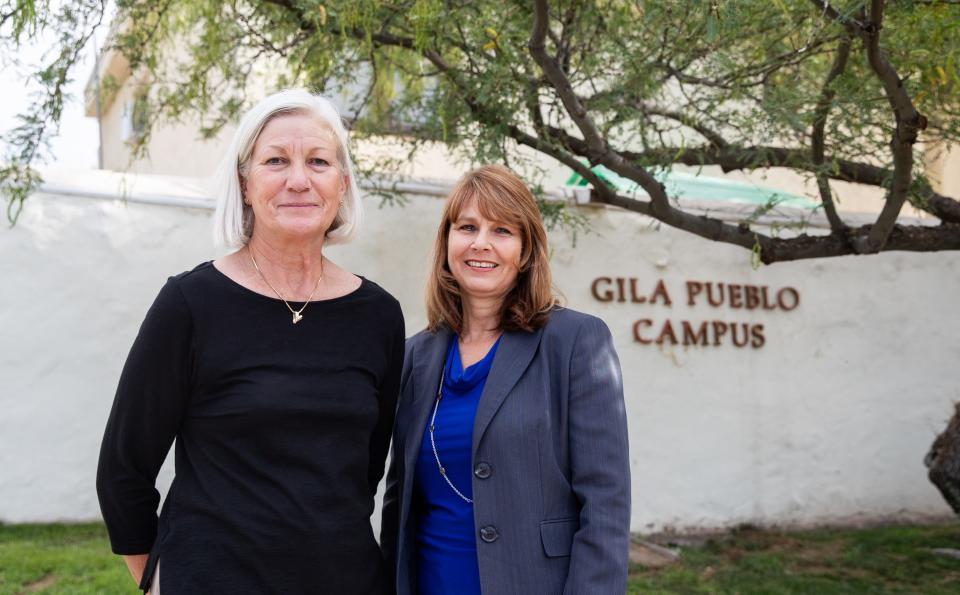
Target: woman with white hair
277,372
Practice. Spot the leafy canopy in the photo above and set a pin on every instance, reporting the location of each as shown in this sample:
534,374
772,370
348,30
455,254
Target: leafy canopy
851,90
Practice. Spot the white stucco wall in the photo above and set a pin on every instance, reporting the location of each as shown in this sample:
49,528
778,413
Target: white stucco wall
827,422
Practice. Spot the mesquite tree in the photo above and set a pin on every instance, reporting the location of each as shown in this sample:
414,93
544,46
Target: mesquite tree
853,90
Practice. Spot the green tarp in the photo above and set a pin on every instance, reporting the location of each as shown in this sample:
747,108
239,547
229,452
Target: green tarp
682,186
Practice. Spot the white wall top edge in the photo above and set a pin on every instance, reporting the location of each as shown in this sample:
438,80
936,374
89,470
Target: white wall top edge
194,193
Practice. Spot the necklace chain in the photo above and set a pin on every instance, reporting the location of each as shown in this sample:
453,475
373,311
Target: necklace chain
433,444
297,314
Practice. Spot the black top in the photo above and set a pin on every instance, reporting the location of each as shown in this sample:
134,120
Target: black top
282,431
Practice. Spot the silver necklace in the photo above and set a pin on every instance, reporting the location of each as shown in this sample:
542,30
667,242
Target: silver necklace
433,444
297,314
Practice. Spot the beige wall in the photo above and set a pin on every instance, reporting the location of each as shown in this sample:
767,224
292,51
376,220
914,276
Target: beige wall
174,148
943,163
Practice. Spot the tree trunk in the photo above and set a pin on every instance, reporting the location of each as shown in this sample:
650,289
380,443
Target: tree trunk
943,461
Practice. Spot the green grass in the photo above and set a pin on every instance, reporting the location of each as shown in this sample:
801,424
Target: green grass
72,559
76,559
750,561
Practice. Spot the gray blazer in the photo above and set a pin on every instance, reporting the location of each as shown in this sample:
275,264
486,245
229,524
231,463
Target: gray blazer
551,481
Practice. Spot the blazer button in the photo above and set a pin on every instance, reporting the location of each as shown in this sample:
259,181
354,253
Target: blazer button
489,534
482,470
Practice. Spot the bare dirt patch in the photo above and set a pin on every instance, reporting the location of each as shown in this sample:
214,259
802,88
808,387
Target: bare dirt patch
47,580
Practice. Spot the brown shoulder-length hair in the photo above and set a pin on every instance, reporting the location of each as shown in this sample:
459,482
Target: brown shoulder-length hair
502,196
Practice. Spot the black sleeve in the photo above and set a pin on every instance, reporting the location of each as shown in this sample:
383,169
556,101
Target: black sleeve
151,399
387,392
390,519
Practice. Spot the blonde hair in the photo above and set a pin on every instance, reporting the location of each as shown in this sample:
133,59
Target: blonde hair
233,220
499,195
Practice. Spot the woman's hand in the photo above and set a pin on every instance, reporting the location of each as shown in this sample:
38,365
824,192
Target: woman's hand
136,564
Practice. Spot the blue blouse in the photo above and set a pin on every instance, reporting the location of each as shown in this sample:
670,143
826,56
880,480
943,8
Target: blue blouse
446,552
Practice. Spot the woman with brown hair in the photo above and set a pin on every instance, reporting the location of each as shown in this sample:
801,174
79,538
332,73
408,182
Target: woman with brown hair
510,469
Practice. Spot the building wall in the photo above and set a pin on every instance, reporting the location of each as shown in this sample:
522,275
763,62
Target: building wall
943,163
173,149
828,421
117,155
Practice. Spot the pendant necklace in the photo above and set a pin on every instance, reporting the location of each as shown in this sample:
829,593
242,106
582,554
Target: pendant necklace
433,443
297,314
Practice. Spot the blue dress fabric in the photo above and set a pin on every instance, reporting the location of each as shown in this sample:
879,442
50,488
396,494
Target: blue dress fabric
446,550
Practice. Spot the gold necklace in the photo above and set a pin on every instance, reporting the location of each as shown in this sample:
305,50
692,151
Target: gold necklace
297,314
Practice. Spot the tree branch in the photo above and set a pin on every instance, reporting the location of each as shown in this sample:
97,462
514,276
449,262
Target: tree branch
559,81
916,238
599,186
909,123
759,73
714,137
821,112
692,122
852,25
597,146
736,158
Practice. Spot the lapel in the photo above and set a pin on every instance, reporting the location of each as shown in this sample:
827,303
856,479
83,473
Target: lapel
426,379
511,360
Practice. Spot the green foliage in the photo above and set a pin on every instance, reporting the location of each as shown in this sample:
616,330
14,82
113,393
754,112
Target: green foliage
72,24
661,80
